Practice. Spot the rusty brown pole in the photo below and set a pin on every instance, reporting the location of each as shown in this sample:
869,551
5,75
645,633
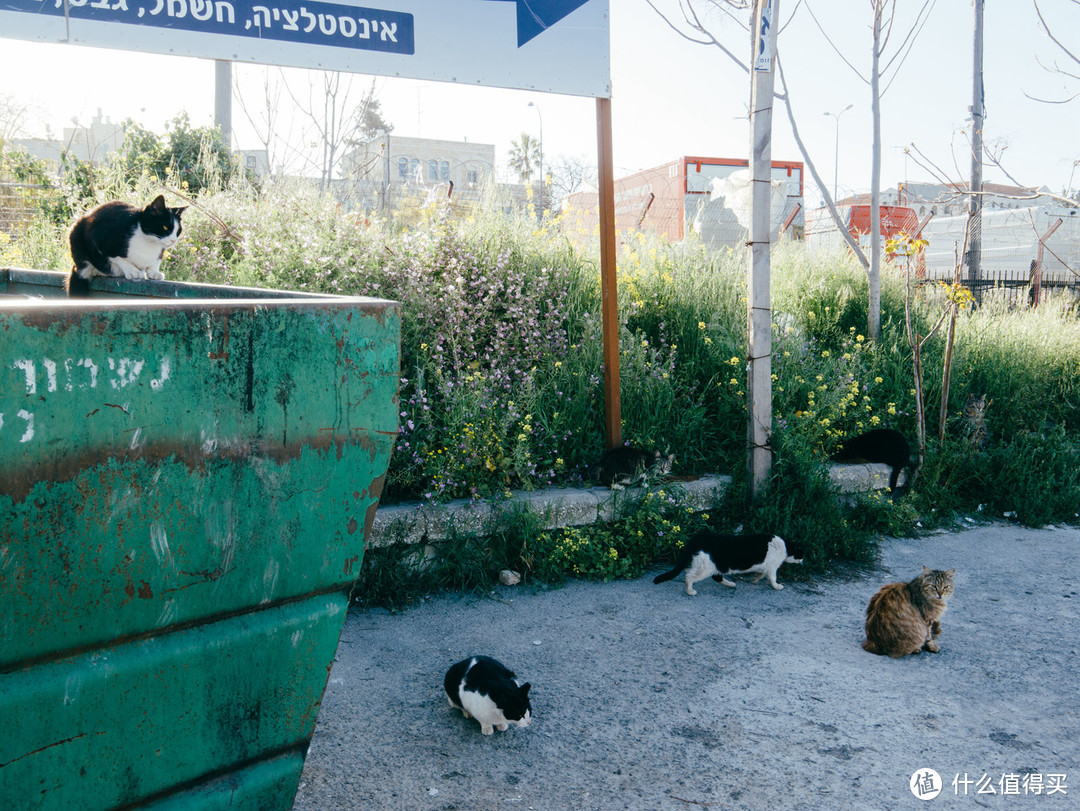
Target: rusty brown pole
608,284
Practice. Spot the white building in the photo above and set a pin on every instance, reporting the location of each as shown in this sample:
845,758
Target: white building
93,143
384,168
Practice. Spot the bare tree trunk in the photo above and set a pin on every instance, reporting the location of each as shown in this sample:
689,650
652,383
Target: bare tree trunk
264,123
336,122
946,374
830,205
912,246
330,142
873,318
916,342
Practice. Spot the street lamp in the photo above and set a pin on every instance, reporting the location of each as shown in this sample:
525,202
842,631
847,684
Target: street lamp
540,215
836,158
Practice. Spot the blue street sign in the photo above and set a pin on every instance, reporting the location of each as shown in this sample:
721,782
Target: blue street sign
559,46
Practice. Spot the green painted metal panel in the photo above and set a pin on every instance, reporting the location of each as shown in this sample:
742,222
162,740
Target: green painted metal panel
268,784
124,723
168,467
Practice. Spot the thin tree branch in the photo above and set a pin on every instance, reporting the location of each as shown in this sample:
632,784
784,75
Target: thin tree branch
908,44
1035,193
822,187
1049,33
832,45
195,204
961,190
707,38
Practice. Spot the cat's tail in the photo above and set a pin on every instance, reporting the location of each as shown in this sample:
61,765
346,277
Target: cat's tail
663,578
76,286
680,565
913,468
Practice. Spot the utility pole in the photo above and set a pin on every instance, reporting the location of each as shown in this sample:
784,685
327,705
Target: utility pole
974,229
759,307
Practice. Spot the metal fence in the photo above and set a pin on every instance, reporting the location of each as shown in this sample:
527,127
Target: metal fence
20,203
1015,288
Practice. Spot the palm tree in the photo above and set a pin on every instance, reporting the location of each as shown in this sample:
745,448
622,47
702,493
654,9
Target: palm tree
524,156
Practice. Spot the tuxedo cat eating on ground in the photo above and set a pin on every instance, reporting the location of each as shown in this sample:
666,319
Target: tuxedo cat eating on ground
882,445
712,554
485,689
117,239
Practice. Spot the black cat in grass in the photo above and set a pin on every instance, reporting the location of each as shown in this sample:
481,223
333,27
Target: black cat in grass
882,445
626,465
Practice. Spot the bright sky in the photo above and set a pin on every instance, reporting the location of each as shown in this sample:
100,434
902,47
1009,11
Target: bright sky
671,97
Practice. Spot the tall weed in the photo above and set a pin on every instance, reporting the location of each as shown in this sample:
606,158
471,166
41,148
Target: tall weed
502,361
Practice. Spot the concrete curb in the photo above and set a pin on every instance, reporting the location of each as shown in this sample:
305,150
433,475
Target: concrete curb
417,523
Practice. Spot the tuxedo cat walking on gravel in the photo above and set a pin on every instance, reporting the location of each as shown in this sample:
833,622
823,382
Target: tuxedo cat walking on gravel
485,689
711,554
117,239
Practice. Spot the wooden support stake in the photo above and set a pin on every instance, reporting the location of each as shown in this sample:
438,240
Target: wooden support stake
1036,269
791,218
608,278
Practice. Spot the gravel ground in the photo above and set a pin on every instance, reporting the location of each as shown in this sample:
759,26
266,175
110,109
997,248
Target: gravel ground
644,698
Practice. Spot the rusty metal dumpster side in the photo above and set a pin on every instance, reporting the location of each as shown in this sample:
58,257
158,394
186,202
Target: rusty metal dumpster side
185,488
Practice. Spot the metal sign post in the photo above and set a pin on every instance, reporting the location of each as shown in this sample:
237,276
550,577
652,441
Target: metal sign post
608,277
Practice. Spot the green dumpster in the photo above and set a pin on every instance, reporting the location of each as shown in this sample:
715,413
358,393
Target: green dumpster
187,477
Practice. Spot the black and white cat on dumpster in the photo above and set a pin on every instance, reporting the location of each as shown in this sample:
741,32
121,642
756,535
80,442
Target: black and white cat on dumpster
118,239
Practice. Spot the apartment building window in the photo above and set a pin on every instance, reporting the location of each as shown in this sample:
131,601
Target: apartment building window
473,176
403,168
444,170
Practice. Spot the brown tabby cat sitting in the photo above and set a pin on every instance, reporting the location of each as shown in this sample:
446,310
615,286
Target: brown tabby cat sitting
904,618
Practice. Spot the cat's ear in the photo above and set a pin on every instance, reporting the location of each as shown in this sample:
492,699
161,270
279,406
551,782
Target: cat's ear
158,203
926,570
525,688
178,211
951,572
